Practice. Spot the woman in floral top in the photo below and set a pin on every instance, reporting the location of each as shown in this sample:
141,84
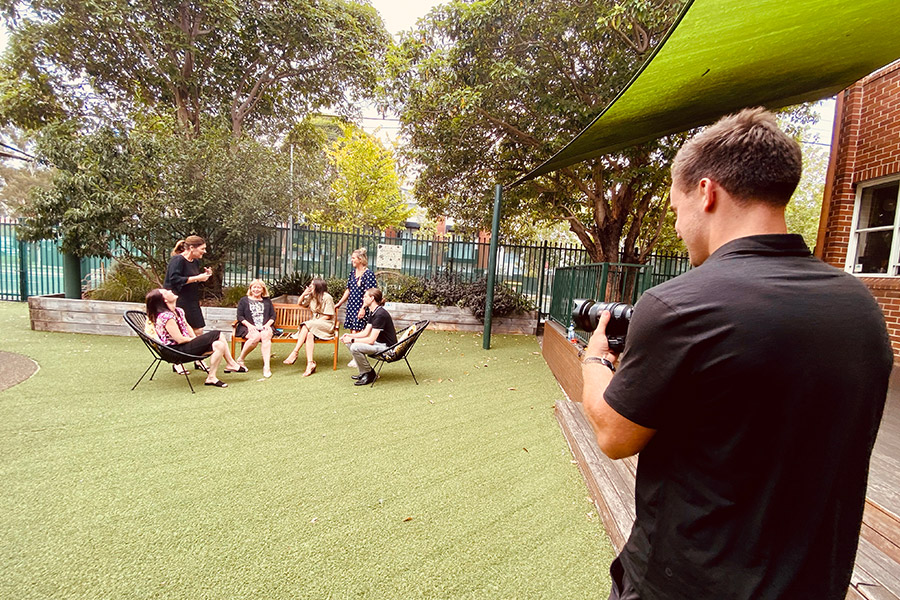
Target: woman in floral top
172,329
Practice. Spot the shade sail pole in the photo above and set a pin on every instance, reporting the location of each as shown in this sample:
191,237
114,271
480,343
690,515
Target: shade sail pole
492,268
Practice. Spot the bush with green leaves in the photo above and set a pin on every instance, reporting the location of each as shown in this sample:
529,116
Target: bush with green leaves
336,287
450,290
291,284
232,295
124,283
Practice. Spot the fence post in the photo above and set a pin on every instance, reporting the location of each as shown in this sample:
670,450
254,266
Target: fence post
540,296
492,268
604,277
23,269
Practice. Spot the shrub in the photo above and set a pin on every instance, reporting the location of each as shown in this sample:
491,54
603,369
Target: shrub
231,296
124,283
336,287
404,288
291,284
450,290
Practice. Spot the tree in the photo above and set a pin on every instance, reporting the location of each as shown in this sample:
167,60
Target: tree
365,189
137,191
805,208
487,90
18,173
244,62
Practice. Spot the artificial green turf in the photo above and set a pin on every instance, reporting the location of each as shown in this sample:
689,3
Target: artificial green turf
290,488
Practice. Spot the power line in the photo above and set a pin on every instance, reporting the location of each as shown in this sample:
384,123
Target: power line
14,149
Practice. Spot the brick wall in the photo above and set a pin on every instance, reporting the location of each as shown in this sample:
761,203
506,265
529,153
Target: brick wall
868,147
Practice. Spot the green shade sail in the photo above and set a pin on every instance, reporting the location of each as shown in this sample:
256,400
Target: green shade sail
724,55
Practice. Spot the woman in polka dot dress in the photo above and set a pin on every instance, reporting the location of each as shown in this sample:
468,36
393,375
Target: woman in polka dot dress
361,279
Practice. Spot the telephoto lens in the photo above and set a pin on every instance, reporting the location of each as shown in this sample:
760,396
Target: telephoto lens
586,316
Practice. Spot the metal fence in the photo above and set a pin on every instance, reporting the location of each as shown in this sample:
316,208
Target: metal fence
28,269
608,282
528,269
36,268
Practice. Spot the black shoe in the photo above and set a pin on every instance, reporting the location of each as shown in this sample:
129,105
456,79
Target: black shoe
366,378
355,377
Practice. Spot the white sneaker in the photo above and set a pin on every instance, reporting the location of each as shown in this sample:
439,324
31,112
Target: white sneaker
352,363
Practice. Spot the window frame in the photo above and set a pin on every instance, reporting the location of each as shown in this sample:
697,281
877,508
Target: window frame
893,268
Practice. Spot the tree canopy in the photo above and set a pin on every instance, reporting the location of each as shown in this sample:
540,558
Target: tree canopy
137,191
244,62
365,187
486,90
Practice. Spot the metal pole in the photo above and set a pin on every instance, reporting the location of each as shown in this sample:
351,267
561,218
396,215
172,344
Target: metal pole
288,263
72,276
492,267
543,267
23,269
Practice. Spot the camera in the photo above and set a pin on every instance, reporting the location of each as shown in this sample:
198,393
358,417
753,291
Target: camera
586,316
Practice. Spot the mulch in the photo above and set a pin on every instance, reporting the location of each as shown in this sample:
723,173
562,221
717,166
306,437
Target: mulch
15,368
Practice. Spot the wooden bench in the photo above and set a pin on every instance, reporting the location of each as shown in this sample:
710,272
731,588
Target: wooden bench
288,320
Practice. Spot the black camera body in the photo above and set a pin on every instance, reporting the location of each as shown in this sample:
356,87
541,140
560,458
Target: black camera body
586,316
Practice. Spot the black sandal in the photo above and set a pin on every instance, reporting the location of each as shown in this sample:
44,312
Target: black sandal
183,371
240,369
217,383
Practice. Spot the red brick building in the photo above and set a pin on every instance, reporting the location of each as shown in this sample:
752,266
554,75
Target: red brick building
860,227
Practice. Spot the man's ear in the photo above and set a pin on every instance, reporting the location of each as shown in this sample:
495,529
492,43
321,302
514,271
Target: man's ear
710,190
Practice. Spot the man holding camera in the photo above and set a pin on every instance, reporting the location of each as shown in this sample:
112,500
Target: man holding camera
752,386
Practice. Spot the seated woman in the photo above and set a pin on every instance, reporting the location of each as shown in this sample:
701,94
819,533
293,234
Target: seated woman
173,330
321,326
255,316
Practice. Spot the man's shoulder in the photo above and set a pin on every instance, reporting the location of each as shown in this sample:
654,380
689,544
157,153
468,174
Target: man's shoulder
381,315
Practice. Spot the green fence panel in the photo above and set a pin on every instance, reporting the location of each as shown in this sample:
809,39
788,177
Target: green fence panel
535,270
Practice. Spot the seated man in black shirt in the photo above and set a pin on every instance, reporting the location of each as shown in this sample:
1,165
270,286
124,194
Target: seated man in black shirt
378,335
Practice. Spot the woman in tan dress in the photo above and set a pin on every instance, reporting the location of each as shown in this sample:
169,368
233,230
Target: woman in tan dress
321,326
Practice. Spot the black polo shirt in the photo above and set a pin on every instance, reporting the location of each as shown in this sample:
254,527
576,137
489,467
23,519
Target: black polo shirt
381,319
764,372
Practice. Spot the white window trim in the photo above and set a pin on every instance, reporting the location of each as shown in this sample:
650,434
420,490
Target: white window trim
893,259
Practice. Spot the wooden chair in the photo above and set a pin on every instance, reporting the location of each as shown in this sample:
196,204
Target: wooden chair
288,320
137,320
406,339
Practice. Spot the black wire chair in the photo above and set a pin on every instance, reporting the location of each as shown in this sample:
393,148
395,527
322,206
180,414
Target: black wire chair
137,319
400,351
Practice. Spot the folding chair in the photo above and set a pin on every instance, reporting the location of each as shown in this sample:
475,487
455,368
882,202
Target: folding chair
137,319
406,339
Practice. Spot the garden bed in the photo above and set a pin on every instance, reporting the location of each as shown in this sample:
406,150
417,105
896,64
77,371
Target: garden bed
102,317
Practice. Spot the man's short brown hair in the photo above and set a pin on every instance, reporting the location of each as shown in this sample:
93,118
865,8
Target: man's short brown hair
377,295
745,153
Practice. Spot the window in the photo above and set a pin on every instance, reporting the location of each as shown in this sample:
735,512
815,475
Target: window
875,243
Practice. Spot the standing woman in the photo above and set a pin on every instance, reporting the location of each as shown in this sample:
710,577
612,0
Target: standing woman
321,326
255,316
183,276
361,278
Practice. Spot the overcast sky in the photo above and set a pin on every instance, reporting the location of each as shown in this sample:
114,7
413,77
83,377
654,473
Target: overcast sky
402,14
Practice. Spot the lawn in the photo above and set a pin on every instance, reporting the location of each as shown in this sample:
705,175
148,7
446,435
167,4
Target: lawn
461,487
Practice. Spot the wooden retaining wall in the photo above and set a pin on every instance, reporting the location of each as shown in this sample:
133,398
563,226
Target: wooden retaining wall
453,318
564,360
55,313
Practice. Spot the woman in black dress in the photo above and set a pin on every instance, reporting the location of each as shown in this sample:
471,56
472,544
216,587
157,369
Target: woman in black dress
183,276
255,321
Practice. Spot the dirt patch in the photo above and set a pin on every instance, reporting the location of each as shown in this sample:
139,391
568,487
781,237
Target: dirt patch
15,368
